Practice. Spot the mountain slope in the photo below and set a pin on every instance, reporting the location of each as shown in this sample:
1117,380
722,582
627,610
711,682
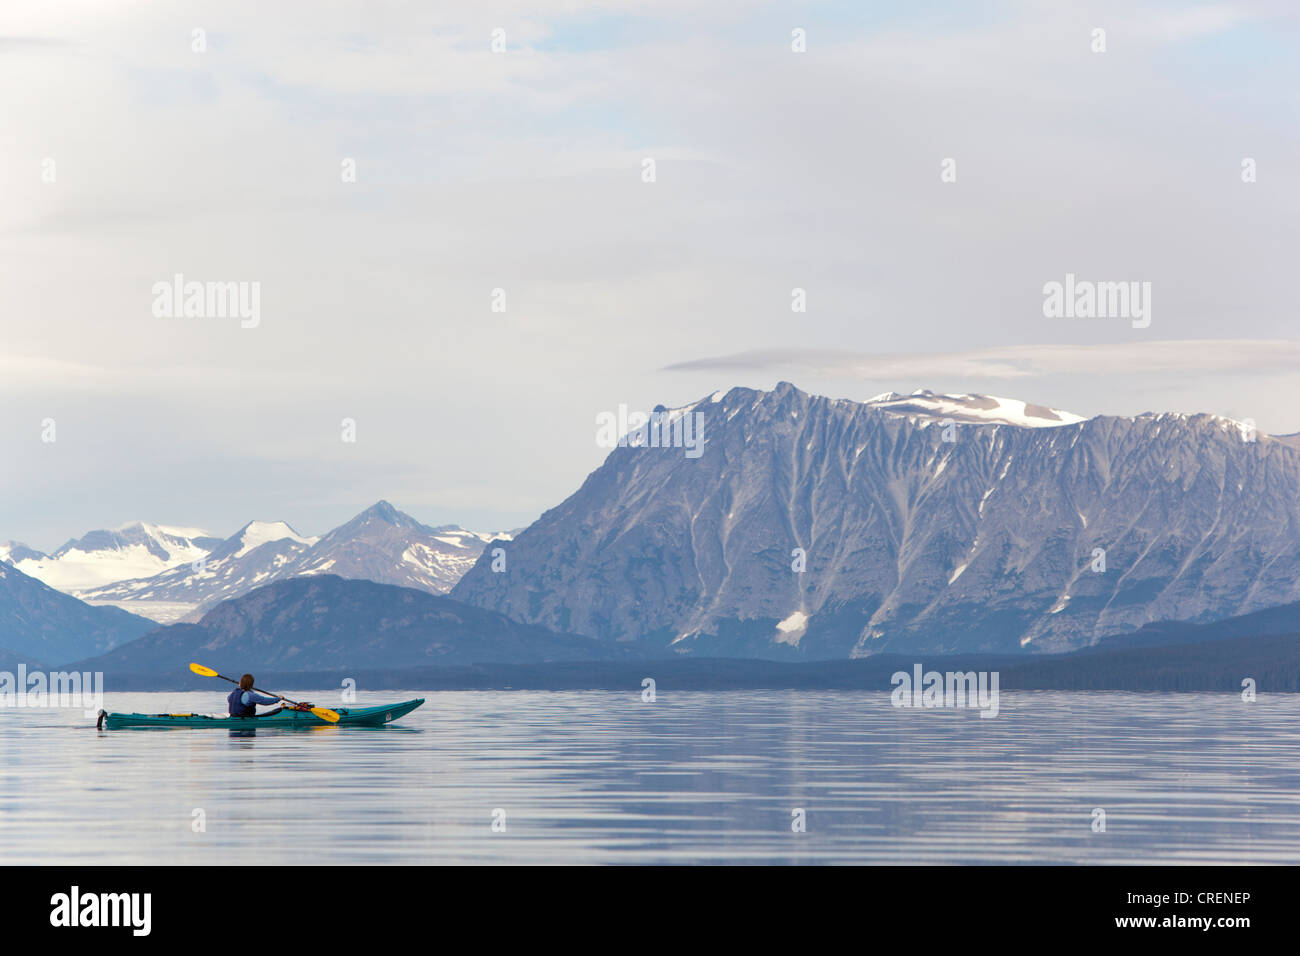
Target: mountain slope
1270,622
920,536
323,622
38,623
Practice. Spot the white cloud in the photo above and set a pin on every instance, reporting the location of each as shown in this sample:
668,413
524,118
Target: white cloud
1160,357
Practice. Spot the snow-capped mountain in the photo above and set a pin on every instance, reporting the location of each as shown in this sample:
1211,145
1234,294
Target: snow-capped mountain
992,533
103,557
380,544
254,555
385,545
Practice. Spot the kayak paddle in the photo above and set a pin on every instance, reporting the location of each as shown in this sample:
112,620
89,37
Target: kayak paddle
322,712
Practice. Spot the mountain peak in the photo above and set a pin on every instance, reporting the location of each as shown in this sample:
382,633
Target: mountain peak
15,551
257,533
384,511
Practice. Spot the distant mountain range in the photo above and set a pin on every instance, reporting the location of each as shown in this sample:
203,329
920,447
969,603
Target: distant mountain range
102,557
808,529
324,622
924,523
256,554
170,574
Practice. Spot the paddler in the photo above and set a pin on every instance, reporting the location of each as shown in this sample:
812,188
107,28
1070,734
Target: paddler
243,700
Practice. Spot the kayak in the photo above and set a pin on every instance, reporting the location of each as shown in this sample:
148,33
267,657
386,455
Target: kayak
286,719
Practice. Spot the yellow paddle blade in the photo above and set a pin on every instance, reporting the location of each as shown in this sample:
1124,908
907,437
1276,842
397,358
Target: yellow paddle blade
203,671
325,714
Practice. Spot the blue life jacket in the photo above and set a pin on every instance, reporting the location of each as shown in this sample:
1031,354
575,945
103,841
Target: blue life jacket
237,706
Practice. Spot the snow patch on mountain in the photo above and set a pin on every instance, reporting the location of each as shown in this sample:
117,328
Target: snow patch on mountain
792,628
925,405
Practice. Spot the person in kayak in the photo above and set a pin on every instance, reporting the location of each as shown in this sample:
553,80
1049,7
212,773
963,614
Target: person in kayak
243,700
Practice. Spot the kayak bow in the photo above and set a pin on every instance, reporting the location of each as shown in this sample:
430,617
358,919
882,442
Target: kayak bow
286,719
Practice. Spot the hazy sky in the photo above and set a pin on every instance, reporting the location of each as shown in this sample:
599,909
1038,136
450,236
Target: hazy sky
522,170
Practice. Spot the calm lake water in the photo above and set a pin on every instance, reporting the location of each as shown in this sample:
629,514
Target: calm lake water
695,777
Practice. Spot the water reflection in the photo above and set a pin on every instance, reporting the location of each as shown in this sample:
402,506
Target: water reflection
694,777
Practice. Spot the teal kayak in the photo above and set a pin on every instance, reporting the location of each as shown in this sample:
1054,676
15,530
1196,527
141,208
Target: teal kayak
286,719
